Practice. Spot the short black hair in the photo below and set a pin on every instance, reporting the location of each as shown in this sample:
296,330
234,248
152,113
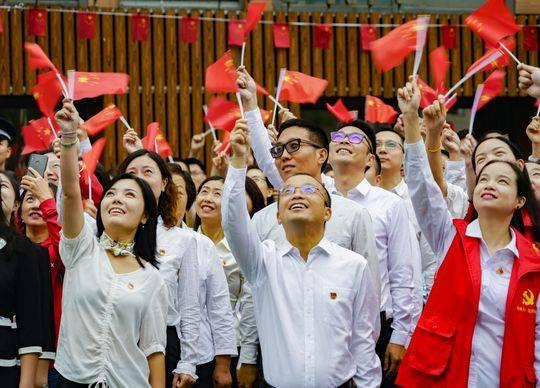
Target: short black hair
7,130
145,237
190,161
190,186
365,127
316,133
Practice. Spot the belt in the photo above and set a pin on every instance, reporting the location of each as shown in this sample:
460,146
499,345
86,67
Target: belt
8,322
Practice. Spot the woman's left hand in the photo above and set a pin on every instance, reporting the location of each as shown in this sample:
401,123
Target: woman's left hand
37,185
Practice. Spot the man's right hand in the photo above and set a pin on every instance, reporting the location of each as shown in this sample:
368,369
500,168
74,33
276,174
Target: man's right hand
533,130
240,143
131,141
247,88
529,79
197,144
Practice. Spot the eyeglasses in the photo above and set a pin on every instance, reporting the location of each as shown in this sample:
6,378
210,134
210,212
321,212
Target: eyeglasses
291,146
353,138
389,144
306,188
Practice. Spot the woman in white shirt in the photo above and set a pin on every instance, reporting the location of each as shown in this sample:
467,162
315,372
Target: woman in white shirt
112,331
208,222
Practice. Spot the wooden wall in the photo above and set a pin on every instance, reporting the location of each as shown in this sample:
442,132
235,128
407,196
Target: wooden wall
167,76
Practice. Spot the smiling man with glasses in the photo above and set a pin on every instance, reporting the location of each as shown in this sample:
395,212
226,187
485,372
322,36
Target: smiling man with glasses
315,302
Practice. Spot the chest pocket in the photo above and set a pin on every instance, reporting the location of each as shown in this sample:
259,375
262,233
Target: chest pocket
431,346
337,303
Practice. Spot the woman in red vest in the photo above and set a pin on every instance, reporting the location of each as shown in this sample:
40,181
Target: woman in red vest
479,326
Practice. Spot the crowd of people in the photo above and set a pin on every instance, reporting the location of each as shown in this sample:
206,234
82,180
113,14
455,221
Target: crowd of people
381,255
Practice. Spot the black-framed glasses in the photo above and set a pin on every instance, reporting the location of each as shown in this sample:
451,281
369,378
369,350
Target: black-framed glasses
389,144
291,146
306,188
353,138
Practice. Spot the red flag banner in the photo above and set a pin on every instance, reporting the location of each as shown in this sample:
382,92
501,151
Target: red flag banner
37,135
37,59
439,65
86,25
493,21
530,38
149,141
47,92
1,21
37,22
368,34
254,14
237,32
163,147
392,49
376,111
500,62
428,95
92,157
89,85
221,75
225,146
189,29
493,86
140,27
222,113
340,111
103,119
322,36
449,36
301,88
281,35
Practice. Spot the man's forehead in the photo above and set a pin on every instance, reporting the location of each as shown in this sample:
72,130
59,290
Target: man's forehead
294,132
301,179
351,129
388,135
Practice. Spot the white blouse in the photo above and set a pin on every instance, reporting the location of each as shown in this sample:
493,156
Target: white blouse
110,322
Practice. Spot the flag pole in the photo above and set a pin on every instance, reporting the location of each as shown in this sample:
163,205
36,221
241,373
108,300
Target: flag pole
71,83
272,98
278,91
243,52
124,121
477,96
450,100
205,109
63,84
421,34
239,99
538,111
52,127
509,53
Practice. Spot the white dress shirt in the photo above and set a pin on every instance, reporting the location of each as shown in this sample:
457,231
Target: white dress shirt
437,226
399,257
217,334
178,265
457,200
454,173
318,319
110,322
429,261
350,225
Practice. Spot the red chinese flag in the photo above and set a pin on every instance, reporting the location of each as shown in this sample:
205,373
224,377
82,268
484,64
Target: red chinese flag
222,113
103,119
225,147
376,111
282,38
502,61
140,27
300,88
1,21
439,65
530,38
86,25
150,140
237,32
428,95
221,75
254,14
493,86
92,157
163,147
493,21
322,36
37,59
89,85
37,135
37,22
340,111
449,36
189,29
368,34
47,92
392,49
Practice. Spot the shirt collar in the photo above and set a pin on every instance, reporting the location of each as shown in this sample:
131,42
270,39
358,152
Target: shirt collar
400,189
363,188
473,230
287,247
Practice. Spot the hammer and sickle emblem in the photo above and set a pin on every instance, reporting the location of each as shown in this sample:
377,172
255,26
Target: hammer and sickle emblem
528,298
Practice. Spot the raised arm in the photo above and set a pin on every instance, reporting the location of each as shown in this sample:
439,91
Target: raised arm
243,240
533,133
434,127
68,120
260,142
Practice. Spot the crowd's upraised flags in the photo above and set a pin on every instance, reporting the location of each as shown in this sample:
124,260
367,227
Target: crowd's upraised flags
340,111
254,15
439,65
530,38
149,141
101,120
91,160
368,34
376,111
163,148
37,21
322,36
140,27
89,85
47,92
37,59
220,76
493,86
189,29
38,135
281,34
86,25
427,93
449,36
301,88
222,113
474,109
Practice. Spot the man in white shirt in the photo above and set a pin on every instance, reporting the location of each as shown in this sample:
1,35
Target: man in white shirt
352,145
315,303
304,149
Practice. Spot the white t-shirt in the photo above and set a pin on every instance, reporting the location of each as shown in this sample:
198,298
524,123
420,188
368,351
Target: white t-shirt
110,322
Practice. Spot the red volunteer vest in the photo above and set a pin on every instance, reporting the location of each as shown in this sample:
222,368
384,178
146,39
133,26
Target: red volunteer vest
440,349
